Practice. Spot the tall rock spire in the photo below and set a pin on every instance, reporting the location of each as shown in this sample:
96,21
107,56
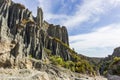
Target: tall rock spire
39,17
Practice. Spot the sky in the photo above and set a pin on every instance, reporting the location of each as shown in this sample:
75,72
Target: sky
93,25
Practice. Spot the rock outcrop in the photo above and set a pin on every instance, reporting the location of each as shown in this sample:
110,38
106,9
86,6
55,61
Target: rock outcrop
50,74
116,52
60,34
30,35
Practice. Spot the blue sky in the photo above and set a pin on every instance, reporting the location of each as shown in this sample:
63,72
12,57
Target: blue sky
93,25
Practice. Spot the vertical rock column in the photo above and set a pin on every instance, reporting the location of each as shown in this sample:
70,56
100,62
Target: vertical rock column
65,38
39,17
4,10
61,34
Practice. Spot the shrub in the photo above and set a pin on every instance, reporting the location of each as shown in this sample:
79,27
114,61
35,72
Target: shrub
69,65
114,66
57,60
66,65
84,67
72,69
76,58
80,69
116,60
81,66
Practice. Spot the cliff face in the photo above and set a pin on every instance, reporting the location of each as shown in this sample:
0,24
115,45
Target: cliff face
28,35
116,52
54,46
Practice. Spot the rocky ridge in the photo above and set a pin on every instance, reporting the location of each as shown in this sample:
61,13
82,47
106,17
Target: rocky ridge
29,34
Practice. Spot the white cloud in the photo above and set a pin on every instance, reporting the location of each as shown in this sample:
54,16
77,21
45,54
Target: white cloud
89,10
60,17
46,5
21,1
105,37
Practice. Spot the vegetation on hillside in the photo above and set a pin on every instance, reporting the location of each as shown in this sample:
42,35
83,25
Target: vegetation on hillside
65,45
81,66
76,64
115,66
112,66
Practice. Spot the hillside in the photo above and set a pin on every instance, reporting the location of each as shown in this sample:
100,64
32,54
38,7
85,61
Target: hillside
111,64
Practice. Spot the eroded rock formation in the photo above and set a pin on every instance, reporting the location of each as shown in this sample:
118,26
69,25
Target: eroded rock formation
30,35
116,52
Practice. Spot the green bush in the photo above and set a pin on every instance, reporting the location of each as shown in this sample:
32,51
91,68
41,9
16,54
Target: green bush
69,65
114,66
57,60
80,69
116,60
76,58
81,66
